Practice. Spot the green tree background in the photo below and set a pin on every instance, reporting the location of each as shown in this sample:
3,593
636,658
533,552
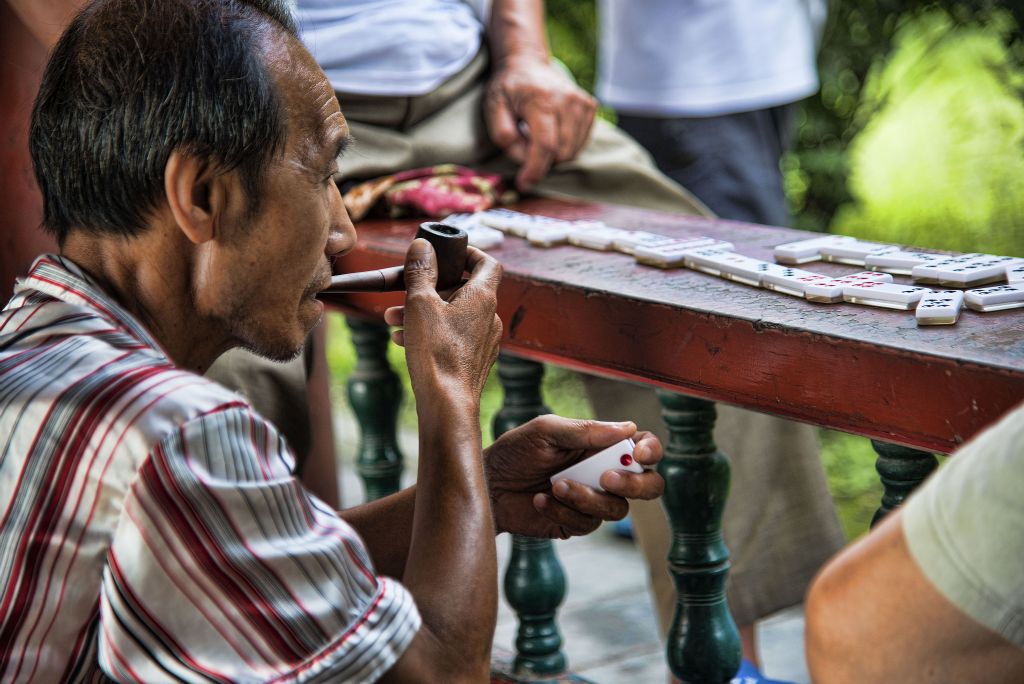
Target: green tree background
916,137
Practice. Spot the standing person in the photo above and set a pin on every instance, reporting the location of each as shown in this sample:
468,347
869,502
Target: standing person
710,89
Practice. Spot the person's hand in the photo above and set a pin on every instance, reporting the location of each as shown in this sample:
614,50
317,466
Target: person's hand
519,464
537,115
450,345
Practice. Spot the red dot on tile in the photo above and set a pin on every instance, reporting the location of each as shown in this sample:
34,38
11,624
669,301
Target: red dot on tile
626,459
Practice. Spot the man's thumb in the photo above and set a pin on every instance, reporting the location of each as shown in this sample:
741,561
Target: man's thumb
420,266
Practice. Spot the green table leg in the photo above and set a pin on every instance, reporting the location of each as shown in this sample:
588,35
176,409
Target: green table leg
901,469
375,393
534,581
703,642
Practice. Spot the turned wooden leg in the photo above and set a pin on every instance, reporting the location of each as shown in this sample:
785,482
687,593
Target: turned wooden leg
375,393
534,580
901,469
703,642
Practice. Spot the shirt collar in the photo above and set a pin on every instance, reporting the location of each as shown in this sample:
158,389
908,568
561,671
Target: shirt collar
61,278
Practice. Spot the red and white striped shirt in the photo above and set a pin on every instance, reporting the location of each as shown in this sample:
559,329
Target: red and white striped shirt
152,530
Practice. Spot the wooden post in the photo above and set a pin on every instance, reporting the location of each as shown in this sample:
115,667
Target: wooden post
375,393
534,581
703,642
901,469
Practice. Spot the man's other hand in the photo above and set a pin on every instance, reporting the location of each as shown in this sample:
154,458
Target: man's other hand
450,345
537,115
519,464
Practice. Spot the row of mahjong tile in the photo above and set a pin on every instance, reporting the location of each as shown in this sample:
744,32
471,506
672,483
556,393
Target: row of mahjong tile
960,271
869,288
487,229
716,257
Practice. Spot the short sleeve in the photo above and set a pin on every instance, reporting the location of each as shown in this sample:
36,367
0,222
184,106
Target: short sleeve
965,528
223,568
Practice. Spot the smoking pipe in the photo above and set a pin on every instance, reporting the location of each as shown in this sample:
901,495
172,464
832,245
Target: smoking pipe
450,246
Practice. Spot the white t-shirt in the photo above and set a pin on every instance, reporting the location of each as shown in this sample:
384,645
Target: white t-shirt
706,57
391,47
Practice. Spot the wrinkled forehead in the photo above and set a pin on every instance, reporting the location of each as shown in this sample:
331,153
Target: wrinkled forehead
313,116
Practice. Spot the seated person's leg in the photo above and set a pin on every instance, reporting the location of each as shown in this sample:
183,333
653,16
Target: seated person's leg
778,523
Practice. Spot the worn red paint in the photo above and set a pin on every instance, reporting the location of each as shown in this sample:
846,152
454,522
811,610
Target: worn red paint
868,371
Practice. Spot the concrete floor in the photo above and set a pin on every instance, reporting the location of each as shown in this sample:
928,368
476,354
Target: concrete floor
608,627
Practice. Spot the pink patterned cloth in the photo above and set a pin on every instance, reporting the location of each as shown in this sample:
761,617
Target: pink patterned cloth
435,192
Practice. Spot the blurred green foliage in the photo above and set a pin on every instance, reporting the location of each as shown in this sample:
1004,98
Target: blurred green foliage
939,161
572,33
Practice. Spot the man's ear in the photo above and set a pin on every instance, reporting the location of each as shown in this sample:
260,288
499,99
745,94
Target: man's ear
195,195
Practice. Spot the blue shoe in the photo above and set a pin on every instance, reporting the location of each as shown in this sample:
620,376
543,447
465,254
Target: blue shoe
623,528
749,674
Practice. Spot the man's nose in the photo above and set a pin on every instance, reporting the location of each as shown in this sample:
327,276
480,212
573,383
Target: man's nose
342,235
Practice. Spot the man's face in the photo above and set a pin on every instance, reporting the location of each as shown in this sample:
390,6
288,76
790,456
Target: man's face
277,263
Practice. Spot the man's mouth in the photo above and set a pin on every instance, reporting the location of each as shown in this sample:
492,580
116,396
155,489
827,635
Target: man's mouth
317,286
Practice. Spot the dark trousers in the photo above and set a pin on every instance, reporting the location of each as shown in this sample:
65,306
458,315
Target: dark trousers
730,162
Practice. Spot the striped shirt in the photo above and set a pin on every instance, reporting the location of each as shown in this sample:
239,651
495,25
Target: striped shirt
152,530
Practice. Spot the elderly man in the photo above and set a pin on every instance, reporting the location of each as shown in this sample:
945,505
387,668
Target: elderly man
152,529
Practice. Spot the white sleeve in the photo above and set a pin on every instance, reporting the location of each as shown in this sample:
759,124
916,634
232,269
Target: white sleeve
965,528
482,10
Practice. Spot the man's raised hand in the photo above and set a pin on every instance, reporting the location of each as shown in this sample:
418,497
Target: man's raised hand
450,345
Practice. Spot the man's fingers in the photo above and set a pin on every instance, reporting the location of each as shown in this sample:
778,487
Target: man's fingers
647,485
648,450
591,502
565,521
574,123
517,150
398,337
542,148
567,135
483,269
573,433
420,268
395,315
501,122
581,128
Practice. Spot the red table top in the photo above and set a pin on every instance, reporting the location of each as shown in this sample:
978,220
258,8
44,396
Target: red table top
859,369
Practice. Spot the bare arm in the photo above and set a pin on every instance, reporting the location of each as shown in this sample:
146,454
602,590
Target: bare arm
320,472
873,616
46,20
516,31
450,567
534,111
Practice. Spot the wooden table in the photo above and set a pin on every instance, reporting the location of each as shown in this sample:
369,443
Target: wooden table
859,369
